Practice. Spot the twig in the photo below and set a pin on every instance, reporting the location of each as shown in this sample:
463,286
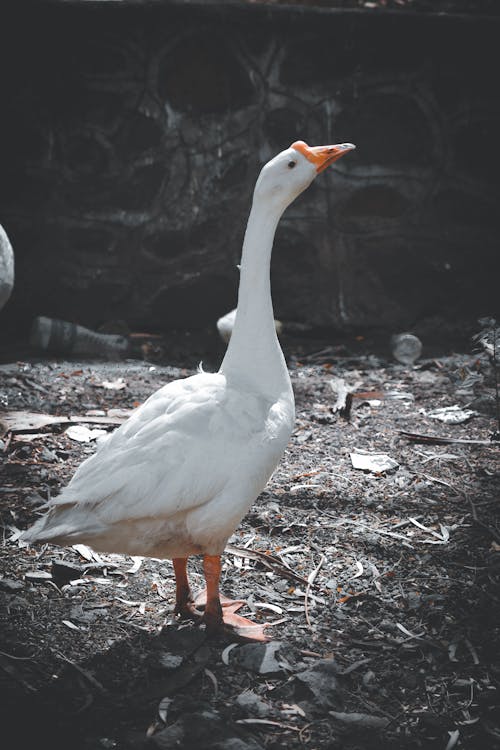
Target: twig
303,730
268,723
406,522
372,706
90,678
365,526
310,581
213,680
439,481
420,438
17,658
271,562
419,525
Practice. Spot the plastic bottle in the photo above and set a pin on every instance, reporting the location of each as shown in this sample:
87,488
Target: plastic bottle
62,337
406,348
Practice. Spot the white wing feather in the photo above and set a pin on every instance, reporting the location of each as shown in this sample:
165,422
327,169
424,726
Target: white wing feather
181,450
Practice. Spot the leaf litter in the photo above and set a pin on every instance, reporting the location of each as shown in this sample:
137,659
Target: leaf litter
382,584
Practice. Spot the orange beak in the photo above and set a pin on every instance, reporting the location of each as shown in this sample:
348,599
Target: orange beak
322,156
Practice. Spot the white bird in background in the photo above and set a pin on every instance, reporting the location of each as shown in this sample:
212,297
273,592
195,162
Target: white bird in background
225,325
177,478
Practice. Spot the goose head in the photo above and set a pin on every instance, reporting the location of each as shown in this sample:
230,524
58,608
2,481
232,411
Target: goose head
290,172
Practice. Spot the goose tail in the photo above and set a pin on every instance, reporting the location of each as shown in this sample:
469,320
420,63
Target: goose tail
62,525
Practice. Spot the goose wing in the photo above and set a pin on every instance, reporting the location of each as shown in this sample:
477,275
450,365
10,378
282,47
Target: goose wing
176,452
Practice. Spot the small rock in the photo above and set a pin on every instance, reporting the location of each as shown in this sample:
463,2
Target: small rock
303,437
251,703
87,616
48,456
258,657
203,729
24,452
7,584
38,576
64,572
360,721
170,737
320,682
169,661
181,641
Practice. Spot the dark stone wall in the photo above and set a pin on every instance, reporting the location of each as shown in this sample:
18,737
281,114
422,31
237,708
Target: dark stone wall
131,137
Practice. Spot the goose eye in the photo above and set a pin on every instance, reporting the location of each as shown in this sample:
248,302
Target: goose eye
291,164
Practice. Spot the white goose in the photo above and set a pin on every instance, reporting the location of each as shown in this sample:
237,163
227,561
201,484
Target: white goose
177,478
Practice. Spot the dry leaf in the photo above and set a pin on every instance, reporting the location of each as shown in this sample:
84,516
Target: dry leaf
82,434
113,385
377,463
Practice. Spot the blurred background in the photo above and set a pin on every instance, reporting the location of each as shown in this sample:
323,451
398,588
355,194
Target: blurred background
132,133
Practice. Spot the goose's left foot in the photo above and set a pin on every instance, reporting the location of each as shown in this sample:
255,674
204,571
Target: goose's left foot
237,628
212,608
220,612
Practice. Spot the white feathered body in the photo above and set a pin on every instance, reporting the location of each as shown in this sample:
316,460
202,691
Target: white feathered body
176,478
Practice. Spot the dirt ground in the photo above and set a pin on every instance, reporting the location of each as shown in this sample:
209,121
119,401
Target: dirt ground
382,584
425,6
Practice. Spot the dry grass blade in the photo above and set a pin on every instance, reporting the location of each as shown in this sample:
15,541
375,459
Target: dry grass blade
418,437
213,680
367,527
268,722
310,582
89,677
14,671
271,562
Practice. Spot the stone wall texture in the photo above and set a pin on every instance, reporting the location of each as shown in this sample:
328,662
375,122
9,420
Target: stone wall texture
131,137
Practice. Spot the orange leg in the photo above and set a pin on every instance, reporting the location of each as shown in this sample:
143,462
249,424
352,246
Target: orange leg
213,607
183,596
222,618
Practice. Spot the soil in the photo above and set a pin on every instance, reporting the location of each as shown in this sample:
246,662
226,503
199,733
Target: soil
383,585
425,6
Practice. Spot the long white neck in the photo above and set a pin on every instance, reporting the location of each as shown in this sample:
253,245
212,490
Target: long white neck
254,355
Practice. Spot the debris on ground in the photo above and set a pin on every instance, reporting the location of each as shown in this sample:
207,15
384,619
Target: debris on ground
379,583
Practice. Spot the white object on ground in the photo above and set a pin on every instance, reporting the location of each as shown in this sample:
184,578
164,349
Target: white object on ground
82,434
6,267
374,462
452,414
